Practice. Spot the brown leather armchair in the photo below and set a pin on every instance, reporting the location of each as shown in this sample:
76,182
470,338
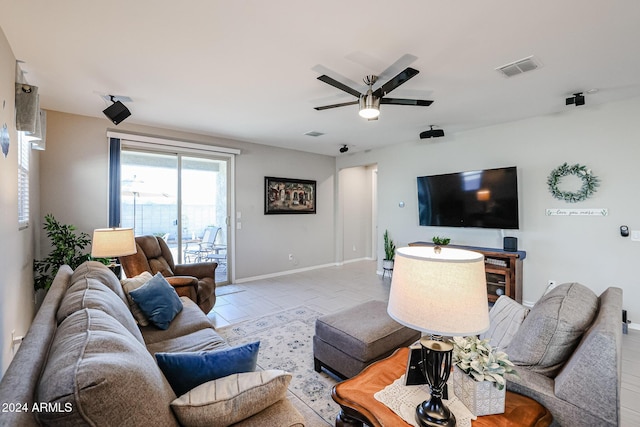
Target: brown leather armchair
195,281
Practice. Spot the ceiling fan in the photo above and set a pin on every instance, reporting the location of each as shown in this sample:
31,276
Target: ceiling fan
369,102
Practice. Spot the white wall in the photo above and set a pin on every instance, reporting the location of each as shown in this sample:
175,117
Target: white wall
589,250
16,277
74,171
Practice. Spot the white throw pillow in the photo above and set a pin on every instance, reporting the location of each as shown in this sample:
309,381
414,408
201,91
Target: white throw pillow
134,283
505,318
231,399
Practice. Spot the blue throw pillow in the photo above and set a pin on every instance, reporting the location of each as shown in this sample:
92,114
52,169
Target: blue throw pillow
185,371
158,301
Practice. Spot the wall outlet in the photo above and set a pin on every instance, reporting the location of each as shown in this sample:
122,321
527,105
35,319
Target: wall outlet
354,248
551,284
290,257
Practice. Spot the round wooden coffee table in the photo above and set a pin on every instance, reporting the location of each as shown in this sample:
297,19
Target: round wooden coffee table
358,406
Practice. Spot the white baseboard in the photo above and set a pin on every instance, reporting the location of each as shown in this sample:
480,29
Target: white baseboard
284,273
355,260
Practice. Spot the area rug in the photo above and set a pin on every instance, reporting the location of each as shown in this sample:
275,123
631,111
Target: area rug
286,342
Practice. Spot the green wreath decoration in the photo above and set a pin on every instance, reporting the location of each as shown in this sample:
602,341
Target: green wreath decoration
589,182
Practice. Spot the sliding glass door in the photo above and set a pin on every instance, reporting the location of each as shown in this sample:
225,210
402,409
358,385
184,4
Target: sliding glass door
182,198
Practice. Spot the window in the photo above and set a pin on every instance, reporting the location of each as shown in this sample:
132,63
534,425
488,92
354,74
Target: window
24,151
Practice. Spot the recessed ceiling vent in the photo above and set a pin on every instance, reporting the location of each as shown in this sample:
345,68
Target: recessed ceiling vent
518,67
313,133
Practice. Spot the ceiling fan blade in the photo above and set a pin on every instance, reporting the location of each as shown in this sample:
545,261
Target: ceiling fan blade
333,82
399,79
343,104
403,62
401,101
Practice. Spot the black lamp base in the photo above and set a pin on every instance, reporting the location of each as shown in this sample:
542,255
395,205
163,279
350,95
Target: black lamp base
116,268
432,413
436,365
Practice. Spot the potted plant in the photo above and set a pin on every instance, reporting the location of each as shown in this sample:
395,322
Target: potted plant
389,252
478,375
438,242
68,248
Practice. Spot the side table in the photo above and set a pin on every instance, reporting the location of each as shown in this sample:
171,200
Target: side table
359,407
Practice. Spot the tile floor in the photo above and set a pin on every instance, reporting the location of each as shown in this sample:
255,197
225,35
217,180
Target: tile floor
334,288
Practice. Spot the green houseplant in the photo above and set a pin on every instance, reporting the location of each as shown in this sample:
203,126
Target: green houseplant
68,248
478,376
389,252
440,241
389,247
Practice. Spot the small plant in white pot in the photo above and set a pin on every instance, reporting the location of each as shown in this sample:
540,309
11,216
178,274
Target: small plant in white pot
389,251
478,375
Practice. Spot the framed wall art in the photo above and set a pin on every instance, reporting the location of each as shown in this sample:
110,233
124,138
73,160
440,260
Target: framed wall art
289,196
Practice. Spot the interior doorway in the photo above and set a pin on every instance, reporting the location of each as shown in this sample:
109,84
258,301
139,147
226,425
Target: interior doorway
357,213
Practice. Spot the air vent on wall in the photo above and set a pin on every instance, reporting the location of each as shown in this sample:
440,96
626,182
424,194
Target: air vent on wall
519,67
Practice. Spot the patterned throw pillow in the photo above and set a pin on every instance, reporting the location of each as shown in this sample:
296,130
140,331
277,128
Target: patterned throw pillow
505,318
131,284
231,399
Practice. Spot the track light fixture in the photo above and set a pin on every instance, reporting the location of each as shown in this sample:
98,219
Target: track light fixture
344,148
117,111
576,99
432,133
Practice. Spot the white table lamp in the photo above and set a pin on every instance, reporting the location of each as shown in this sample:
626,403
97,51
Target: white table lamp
443,294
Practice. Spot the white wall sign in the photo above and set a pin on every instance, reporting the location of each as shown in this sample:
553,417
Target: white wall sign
577,212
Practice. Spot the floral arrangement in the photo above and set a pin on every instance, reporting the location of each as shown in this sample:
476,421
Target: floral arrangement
478,359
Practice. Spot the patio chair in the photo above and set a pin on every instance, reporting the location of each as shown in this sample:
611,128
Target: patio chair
198,251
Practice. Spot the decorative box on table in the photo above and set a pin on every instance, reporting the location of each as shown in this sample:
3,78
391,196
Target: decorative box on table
480,397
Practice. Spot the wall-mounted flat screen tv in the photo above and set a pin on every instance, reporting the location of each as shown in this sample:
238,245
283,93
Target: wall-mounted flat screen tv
483,198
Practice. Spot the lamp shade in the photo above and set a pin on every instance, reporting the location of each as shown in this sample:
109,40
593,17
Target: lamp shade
439,293
113,242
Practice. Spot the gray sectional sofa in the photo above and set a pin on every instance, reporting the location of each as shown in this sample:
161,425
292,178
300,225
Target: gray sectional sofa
85,361
567,350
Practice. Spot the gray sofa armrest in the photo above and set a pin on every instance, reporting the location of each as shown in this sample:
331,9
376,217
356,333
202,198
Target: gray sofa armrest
591,378
19,382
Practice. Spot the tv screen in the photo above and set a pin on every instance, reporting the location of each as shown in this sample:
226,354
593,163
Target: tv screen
483,198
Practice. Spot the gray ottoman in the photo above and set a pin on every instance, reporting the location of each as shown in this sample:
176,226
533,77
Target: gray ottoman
349,340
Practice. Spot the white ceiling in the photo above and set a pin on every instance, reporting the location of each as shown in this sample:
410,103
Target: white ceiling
247,69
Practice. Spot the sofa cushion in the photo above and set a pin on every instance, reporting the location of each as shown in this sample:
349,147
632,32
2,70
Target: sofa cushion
100,272
190,319
505,318
131,284
158,301
231,399
98,370
90,293
186,371
553,328
201,340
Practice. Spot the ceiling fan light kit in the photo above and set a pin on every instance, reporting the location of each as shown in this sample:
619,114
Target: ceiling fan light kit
369,102
369,106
